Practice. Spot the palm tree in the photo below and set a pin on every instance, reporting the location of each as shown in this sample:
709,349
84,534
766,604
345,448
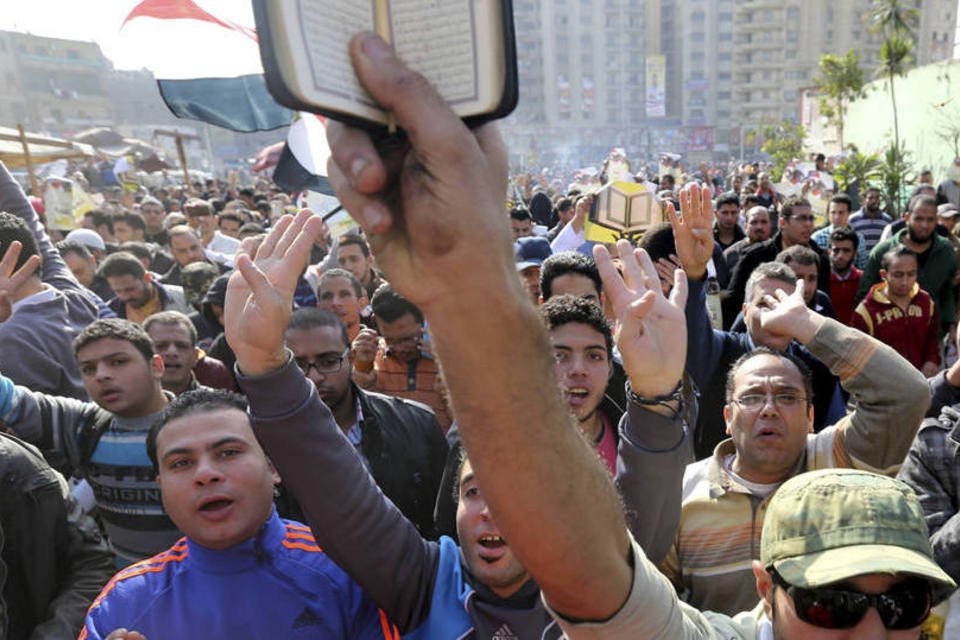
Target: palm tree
840,82
891,16
896,22
894,60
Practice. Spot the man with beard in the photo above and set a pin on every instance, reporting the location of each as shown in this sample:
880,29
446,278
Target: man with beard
870,220
136,295
935,257
844,277
400,440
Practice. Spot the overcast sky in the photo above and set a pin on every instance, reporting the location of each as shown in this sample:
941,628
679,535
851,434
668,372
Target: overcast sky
97,20
93,20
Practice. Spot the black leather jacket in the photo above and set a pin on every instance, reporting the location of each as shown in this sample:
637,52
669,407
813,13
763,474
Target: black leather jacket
54,561
405,451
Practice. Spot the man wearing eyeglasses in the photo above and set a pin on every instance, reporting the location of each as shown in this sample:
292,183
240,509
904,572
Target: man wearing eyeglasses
796,224
397,362
769,421
400,441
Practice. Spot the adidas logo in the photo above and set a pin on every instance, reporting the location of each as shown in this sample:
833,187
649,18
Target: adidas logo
308,618
504,633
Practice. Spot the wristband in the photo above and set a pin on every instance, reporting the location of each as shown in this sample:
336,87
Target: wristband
674,396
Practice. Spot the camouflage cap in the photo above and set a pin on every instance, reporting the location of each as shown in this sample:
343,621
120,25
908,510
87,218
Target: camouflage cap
830,525
196,278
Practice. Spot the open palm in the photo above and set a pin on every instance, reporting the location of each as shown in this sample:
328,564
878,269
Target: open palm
260,293
693,229
651,329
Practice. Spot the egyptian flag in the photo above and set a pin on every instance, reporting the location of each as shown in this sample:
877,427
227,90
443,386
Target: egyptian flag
206,59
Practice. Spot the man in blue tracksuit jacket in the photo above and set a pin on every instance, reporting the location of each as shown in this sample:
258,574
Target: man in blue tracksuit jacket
241,571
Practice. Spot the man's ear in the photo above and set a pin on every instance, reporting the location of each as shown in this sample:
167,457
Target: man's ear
148,277
156,366
883,274
727,417
765,587
273,473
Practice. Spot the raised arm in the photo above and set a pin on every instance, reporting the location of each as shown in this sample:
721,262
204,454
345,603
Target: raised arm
890,395
693,236
649,334
351,519
13,200
424,203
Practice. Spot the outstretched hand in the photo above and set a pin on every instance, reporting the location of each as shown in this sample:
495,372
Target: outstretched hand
693,234
260,292
11,280
789,316
424,201
651,330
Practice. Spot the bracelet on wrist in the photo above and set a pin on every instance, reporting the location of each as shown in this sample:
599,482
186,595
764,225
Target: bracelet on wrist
665,400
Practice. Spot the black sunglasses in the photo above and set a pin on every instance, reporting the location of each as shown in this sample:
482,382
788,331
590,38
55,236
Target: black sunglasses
905,606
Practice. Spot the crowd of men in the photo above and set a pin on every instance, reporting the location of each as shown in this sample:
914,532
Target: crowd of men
461,422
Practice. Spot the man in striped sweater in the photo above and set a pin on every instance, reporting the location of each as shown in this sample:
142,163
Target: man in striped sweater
870,220
769,418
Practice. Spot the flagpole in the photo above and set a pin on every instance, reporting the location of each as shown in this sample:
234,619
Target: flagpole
26,156
183,163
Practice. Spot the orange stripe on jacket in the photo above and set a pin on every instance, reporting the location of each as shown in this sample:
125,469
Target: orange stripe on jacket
390,631
302,546
146,566
299,536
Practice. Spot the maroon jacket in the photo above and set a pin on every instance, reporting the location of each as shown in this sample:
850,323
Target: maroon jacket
911,331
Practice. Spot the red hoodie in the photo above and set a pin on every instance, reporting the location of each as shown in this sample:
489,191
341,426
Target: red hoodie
911,331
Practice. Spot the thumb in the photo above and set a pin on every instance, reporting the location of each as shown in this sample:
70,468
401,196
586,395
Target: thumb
678,295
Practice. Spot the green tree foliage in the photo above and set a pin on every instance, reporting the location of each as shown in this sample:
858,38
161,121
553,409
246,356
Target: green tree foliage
840,82
895,172
784,143
856,171
896,22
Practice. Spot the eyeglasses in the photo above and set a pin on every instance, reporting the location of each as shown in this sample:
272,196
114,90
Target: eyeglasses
327,363
782,399
408,340
904,606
